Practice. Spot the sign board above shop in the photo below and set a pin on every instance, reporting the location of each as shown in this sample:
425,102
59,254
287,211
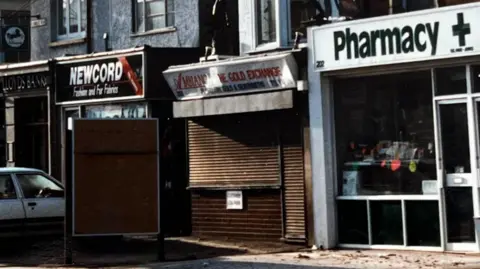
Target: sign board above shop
102,78
15,37
410,37
234,76
24,82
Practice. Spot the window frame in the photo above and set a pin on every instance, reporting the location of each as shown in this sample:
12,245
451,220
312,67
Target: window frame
282,23
166,16
278,24
68,35
291,39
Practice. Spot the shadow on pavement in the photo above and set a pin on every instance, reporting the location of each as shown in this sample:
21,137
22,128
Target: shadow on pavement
100,253
219,264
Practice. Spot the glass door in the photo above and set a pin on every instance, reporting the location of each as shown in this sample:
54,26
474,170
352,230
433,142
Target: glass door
458,169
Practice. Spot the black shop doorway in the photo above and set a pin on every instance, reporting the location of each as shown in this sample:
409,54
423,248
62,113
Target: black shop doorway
31,132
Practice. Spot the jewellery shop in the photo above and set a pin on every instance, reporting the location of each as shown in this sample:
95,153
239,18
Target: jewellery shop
27,90
245,144
395,102
126,84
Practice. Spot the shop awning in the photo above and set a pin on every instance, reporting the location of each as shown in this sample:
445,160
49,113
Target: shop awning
24,68
234,104
234,76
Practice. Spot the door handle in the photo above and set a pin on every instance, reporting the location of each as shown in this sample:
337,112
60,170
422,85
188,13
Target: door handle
32,204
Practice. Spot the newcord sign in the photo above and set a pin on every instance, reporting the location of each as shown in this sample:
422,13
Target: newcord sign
100,78
416,36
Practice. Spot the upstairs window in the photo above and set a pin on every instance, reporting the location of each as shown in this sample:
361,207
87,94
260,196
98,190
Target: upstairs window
372,8
303,13
266,21
442,3
153,14
71,18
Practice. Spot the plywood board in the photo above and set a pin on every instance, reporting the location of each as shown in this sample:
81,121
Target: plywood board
115,136
115,189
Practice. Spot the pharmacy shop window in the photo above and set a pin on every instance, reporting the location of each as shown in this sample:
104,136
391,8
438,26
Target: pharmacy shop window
385,135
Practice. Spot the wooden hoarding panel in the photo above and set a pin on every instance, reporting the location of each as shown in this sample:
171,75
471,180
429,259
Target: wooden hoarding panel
115,136
115,184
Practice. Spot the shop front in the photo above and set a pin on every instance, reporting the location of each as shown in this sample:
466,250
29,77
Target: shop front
26,89
245,143
395,102
126,85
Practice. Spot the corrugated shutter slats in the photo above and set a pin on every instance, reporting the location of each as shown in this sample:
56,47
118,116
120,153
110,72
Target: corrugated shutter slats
243,151
261,221
232,151
294,181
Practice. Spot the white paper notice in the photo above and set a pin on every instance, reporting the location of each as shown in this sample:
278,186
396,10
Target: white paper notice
70,123
235,200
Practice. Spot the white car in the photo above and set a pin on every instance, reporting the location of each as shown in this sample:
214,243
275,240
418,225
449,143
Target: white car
31,202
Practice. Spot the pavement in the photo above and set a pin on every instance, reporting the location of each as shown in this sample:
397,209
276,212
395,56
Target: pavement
341,259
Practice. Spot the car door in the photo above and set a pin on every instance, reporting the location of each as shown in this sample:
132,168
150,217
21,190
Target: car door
43,202
12,213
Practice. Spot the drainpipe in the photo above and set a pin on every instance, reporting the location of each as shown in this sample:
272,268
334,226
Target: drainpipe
89,26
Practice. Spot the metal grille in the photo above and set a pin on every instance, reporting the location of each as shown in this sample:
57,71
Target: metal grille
260,221
243,151
233,151
294,180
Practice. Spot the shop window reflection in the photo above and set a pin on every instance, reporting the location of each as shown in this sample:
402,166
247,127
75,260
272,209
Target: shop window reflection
352,222
387,225
423,223
455,141
116,111
459,208
385,135
475,75
450,80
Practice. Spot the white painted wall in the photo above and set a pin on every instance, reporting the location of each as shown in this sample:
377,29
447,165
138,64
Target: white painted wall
323,162
322,152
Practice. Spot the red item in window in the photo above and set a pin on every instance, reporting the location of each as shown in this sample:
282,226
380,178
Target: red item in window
383,164
352,145
396,164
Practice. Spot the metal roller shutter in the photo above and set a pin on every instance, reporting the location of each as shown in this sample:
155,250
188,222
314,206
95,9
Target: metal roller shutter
243,150
260,221
234,151
294,180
